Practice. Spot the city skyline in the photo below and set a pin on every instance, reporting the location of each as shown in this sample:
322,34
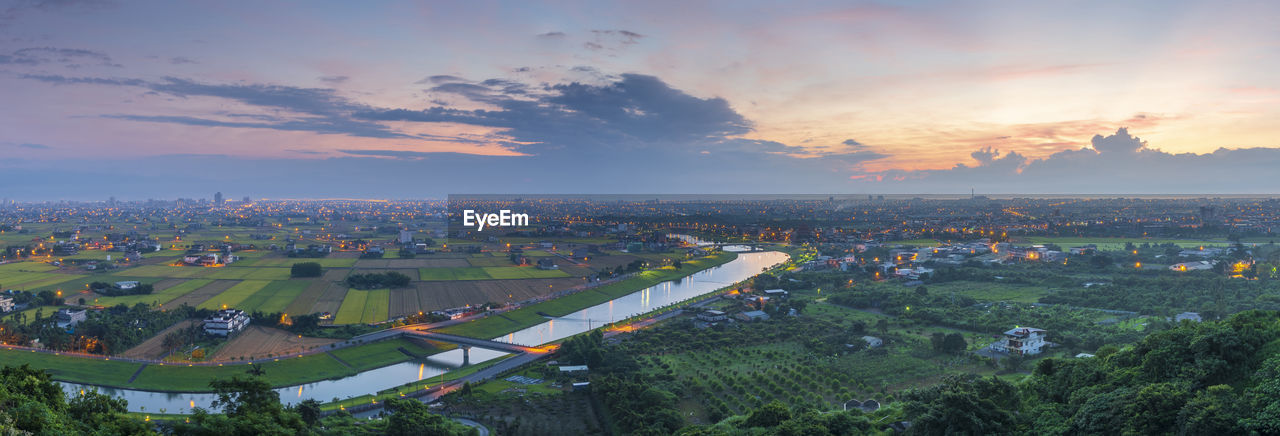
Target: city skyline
164,100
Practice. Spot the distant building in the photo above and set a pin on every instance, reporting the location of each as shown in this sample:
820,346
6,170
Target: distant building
406,236
547,263
66,318
1189,316
1199,265
226,321
754,315
127,285
1023,341
713,316
873,342
573,368
217,198
775,293
6,304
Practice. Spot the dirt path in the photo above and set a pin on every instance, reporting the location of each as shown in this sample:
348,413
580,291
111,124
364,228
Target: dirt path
153,348
258,341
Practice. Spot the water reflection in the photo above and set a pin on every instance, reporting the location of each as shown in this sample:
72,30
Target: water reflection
746,265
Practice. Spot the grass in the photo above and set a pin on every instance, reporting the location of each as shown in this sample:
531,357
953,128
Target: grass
324,262
160,297
352,308
276,296
67,368
402,390
522,272
169,271
1113,244
381,353
232,297
494,326
182,378
364,307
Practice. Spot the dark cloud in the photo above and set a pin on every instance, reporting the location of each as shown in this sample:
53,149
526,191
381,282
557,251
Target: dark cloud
551,35
68,57
334,79
64,80
635,111
14,9
27,145
442,78
179,60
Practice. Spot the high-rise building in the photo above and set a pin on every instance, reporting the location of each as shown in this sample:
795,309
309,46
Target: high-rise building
217,198
246,199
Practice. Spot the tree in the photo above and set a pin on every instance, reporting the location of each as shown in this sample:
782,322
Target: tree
954,343
309,409
769,415
306,269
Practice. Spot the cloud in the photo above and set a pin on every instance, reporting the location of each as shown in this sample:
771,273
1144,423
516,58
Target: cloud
68,57
1116,163
27,145
442,78
334,79
635,111
551,35
179,60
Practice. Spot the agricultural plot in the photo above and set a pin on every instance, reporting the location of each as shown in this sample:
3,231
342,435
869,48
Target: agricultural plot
203,293
326,262
168,271
32,280
275,297
1115,244
248,273
165,291
302,304
490,261
487,273
522,272
438,295
331,299
363,307
257,341
26,267
233,296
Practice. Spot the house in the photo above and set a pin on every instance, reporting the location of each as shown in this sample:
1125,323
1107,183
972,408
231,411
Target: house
1022,341
1189,316
1199,265
225,322
775,293
873,342
754,315
6,304
127,285
66,318
570,369
713,316
547,264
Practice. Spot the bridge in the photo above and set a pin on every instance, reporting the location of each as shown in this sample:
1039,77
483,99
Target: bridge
465,343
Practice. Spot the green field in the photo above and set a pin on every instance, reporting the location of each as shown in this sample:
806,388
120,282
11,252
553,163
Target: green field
276,296
107,372
494,326
1115,244
180,272
248,273
381,353
487,273
285,372
363,307
325,262
159,297
231,298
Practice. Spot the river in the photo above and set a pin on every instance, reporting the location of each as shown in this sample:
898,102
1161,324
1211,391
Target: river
642,301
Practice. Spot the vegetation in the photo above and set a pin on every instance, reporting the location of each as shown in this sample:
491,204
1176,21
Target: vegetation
390,279
306,269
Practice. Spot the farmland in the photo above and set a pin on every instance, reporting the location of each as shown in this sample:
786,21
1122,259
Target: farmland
363,307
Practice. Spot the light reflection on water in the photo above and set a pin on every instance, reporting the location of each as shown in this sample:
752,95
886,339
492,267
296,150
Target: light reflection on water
746,265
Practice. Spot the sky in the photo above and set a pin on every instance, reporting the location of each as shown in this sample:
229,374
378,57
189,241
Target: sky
328,99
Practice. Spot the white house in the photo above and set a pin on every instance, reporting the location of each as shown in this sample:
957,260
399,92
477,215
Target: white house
1199,265
872,341
713,316
6,304
1024,341
69,317
226,321
127,285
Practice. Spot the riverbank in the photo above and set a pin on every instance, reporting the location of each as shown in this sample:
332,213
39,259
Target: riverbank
181,378
525,317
